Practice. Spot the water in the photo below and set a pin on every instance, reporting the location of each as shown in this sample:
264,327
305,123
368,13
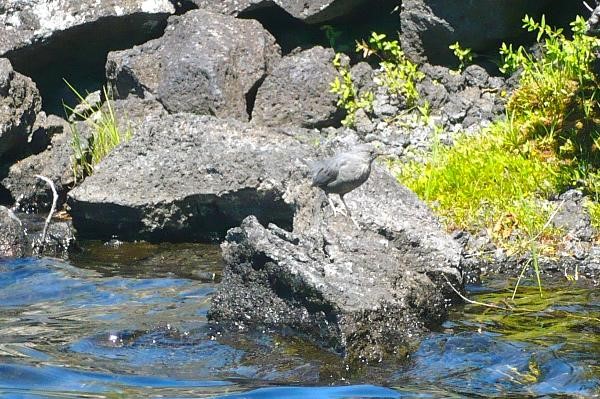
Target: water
129,321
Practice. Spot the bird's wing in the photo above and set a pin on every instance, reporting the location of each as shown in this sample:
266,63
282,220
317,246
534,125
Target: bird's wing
350,170
323,174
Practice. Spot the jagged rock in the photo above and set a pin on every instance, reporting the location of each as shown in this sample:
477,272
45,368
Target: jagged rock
297,92
56,161
471,98
365,293
19,104
12,235
209,64
430,26
311,11
365,290
26,23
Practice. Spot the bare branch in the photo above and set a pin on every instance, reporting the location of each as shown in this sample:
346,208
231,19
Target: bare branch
52,209
588,6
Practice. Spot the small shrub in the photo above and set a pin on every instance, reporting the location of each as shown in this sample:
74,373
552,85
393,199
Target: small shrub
348,96
464,55
555,108
106,135
400,76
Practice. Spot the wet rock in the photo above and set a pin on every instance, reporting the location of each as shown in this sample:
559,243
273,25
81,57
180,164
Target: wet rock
12,235
367,293
59,240
27,23
311,11
209,64
430,26
297,92
19,103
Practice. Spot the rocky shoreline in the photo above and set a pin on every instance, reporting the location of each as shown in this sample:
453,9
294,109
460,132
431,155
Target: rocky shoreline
224,127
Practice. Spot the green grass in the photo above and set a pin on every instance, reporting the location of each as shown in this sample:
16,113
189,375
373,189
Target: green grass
480,184
106,135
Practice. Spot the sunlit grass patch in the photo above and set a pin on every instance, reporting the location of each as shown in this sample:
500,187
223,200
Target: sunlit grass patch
479,183
106,134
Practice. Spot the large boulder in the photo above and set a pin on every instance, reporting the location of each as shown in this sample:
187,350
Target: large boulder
205,63
12,235
297,92
186,177
428,27
19,103
27,23
364,292
52,40
311,11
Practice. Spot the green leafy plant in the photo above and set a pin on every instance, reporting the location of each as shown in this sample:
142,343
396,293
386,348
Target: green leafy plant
400,76
106,134
464,55
556,104
348,96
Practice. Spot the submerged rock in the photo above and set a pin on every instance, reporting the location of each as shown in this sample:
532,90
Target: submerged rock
208,64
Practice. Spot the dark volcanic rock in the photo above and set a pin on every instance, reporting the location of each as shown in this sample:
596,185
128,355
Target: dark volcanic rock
366,293
186,177
19,104
12,235
56,161
430,26
297,92
31,193
205,63
25,23
50,40
311,11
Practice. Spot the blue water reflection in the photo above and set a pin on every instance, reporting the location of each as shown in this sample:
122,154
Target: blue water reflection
68,331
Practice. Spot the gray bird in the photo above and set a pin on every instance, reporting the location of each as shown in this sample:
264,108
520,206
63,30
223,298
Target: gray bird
344,172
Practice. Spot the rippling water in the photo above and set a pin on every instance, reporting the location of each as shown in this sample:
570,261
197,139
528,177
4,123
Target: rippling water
129,321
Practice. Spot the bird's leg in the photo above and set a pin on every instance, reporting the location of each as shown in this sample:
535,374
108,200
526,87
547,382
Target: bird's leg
349,214
331,204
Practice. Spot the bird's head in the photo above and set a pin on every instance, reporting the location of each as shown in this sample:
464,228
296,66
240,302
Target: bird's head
368,151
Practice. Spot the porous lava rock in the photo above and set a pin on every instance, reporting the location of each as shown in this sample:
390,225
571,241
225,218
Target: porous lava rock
205,63
298,92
